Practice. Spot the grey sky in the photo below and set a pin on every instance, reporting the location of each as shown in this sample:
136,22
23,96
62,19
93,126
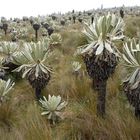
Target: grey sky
19,8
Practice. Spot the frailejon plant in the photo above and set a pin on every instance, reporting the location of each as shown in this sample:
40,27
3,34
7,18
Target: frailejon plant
74,18
100,54
55,40
50,30
62,22
52,107
36,27
5,87
14,36
7,49
76,66
46,25
5,27
32,60
122,13
131,85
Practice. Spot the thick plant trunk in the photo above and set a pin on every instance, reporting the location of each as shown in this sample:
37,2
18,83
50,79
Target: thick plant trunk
5,32
36,35
38,93
101,98
137,111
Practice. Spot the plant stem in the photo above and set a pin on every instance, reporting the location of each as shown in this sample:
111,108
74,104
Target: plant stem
38,93
137,111
5,31
36,35
101,98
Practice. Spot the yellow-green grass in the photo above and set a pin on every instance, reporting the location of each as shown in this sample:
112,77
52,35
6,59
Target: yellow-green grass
21,119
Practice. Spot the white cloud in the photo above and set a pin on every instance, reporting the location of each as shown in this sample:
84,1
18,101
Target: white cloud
19,8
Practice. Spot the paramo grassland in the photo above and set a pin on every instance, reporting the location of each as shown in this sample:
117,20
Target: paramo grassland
73,76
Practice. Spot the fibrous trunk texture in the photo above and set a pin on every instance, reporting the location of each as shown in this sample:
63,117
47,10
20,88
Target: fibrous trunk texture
133,96
101,98
36,35
9,68
8,63
100,69
38,93
38,83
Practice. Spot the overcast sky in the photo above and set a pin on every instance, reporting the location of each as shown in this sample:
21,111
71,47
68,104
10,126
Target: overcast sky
19,8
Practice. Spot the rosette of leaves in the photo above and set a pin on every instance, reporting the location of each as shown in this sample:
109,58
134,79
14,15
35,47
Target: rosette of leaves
14,35
5,87
44,32
100,53
3,20
76,66
32,60
131,85
7,49
52,107
23,33
55,40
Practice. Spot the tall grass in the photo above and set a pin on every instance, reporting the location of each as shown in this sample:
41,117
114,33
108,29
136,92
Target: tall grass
20,117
